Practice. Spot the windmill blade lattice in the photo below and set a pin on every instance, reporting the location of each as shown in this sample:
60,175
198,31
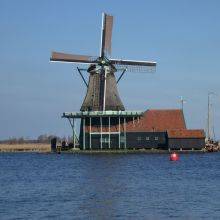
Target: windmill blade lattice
134,66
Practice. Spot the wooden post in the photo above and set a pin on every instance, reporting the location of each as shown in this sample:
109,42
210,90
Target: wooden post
101,131
84,135
125,137
90,139
74,138
109,132
119,131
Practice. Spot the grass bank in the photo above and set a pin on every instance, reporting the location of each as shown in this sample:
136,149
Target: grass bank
25,147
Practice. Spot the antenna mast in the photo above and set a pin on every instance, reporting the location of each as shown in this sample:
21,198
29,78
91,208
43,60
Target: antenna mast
182,101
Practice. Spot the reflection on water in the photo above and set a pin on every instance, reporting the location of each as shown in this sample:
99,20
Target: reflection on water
134,186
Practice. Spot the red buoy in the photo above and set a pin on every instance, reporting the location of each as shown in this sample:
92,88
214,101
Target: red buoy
174,157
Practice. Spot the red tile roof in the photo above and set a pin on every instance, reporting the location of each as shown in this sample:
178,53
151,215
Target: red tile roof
158,120
186,133
171,121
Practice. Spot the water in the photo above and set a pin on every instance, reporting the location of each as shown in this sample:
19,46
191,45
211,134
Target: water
134,186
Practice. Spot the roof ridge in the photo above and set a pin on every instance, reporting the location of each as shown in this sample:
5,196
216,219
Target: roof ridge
168,109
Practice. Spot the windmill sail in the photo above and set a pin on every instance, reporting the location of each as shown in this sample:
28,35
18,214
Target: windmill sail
73,58
134,66
106,38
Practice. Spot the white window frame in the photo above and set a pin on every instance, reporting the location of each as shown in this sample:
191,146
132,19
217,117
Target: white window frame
139,138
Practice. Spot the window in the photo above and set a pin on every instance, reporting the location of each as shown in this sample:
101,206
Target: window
122,139
104,140
139,138
147,138
156,138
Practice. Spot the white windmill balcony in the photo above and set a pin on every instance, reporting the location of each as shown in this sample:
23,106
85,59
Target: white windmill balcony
83,114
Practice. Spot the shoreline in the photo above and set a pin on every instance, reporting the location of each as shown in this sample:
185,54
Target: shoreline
140,151
46,148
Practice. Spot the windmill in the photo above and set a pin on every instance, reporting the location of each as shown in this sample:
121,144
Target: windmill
102,93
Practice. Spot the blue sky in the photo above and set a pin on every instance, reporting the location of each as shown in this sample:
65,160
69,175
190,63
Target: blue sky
182,36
